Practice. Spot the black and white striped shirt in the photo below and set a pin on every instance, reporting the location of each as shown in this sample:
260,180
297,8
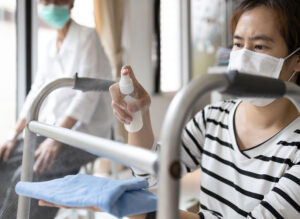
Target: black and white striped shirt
261,182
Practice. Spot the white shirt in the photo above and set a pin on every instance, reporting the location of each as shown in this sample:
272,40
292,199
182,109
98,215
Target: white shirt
80,52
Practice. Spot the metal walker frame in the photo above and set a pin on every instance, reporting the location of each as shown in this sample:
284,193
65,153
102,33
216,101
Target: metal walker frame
167,164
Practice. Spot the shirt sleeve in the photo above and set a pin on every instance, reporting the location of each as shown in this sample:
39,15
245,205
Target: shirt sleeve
152,180
192,142
191,147
94,64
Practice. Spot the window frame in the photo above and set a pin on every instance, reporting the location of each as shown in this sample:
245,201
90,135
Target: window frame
26,30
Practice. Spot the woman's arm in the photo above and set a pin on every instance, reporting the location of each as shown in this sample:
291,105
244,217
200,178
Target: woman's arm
122,110
182,215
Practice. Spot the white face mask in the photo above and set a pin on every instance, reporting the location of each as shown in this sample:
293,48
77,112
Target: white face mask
246,61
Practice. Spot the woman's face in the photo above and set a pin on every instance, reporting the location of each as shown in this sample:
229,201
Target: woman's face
258,30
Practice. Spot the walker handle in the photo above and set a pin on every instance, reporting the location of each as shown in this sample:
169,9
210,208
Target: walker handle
246,85
91,84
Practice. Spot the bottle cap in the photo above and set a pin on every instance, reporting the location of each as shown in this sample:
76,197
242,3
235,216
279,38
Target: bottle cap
126,85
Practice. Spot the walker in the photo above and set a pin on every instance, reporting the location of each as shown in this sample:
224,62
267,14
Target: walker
166,165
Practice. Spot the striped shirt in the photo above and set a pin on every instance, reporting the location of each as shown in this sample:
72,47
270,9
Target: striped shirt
261,182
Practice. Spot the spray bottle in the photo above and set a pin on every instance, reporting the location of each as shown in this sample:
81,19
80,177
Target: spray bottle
126,88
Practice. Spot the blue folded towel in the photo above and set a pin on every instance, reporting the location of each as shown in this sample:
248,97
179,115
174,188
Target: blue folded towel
117,197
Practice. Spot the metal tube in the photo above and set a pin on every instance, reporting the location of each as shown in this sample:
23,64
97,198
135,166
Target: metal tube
128,155
30,139
169,172
169,168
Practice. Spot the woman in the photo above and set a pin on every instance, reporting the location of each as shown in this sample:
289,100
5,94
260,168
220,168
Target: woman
75,48
248,150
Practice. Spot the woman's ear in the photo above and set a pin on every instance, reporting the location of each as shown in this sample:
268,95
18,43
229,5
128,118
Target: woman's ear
297,67
71,6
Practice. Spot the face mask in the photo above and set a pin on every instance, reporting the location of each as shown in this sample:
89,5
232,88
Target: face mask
260,64
55,16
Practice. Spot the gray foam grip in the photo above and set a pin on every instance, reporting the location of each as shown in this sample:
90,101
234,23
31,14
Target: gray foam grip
92,84
246,85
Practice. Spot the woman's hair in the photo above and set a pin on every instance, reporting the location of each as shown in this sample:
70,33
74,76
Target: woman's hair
288,12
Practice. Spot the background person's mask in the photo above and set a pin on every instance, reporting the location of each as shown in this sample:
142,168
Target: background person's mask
55,16
246,61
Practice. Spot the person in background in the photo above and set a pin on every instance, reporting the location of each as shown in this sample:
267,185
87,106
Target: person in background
75,48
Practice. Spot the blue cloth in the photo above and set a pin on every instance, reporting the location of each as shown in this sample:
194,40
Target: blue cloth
117,197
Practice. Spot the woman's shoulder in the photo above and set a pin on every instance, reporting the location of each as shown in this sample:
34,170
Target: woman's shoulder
217,112
222,107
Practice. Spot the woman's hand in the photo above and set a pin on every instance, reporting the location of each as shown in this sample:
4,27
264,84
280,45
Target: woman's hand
121,110
92,208
46,154
7,148
48,204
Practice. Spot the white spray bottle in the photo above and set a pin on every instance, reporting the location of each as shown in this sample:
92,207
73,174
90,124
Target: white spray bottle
126,88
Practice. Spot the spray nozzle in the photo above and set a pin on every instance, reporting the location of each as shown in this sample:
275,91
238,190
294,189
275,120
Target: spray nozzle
126,85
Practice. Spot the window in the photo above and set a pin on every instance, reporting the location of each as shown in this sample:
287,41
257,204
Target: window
208,33
175,44
83,12
210,21
170,46
8,67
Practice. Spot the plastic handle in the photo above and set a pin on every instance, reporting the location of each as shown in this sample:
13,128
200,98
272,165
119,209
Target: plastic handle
246,85
92,84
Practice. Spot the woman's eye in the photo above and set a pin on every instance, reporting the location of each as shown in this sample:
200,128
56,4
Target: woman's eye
237,45
260,47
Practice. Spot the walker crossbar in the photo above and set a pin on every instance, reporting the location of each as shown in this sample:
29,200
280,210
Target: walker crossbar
232,83
128,155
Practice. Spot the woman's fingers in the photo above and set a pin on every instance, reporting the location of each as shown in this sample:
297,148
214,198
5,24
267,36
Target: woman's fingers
139,104
6,149
120,118
44,163
116,95
2,150
127,68
45,203
7,153
37,152
121,114
51,161
37,164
